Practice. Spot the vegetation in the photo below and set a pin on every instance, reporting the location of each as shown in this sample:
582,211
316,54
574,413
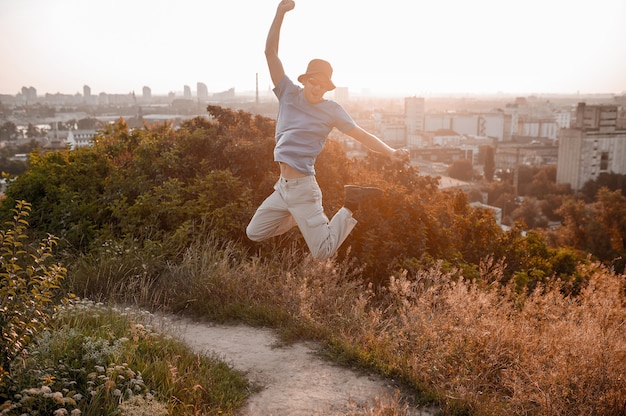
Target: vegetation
29,283
427,289
97,360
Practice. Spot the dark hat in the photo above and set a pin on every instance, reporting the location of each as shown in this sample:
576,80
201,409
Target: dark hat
319,67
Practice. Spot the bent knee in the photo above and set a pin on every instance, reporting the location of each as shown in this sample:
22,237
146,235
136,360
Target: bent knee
254,236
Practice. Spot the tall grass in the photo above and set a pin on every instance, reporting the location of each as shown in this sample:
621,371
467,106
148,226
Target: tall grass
468,347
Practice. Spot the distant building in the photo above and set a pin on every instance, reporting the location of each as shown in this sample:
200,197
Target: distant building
228,95
512,113
203,91
146,93
444,155
496,125
511,155
61,139
594,145
563,119
532,127
414,109
187,92
80,138
391,128
29,95
447,138
88,97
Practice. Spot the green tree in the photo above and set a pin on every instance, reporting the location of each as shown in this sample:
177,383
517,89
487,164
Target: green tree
529,213
598,228
611,212
461,170
64,189
89,123
8,131
611,181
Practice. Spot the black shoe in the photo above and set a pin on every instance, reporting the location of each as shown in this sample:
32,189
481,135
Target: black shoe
354,195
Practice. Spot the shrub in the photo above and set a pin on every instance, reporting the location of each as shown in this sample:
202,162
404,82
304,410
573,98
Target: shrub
29,286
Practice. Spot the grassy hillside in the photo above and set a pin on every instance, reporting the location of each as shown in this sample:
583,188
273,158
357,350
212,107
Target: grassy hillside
427,290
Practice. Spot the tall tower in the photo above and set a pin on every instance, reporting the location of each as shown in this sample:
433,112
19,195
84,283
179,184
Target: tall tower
414,108
414,114
203,91
87,95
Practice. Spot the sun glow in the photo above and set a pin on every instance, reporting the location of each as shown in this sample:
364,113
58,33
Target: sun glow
434,47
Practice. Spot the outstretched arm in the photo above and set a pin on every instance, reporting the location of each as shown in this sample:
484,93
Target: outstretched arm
277,72
376,145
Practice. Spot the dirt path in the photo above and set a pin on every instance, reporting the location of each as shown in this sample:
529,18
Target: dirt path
294,380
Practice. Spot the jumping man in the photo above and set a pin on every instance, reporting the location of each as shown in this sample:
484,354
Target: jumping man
304,121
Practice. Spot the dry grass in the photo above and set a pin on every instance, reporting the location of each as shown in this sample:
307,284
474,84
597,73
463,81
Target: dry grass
500,354
468,348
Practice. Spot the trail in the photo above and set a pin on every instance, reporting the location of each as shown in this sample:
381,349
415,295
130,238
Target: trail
294,380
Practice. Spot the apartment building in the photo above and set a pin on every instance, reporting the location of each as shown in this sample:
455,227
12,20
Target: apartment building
593,145
496,125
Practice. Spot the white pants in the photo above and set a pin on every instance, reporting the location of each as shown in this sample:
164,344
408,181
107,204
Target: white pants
299,202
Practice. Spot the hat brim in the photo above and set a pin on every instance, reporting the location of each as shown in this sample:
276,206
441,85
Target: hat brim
329,83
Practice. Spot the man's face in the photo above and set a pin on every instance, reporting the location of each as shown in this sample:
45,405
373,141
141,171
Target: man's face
314,89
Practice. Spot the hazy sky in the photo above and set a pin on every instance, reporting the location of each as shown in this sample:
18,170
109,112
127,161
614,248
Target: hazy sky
411,47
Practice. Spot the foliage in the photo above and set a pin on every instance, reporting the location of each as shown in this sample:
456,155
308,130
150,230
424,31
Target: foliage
8,131
533,200
99,360
162,187
609,180
598,228
64,190
462,170
9,164
29,287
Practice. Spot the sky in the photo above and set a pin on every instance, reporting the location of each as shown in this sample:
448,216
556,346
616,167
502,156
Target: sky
408,47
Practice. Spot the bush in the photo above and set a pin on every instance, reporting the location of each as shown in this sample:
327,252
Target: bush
29,286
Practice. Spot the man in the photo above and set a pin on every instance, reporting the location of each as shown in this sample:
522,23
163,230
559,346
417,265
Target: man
304,121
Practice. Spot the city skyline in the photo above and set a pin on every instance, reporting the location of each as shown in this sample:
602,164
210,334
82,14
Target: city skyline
392,47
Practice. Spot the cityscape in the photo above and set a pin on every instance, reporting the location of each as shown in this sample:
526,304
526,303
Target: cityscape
582,135
481,267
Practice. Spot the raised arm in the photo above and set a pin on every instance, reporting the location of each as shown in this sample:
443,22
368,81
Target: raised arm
277,72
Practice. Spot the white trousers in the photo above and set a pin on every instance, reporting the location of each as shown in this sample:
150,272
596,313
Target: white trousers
299,202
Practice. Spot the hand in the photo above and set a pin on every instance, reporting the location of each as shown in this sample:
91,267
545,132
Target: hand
401,155
285,5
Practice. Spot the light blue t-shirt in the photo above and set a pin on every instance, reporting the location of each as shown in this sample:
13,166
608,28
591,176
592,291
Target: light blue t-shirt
302,127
